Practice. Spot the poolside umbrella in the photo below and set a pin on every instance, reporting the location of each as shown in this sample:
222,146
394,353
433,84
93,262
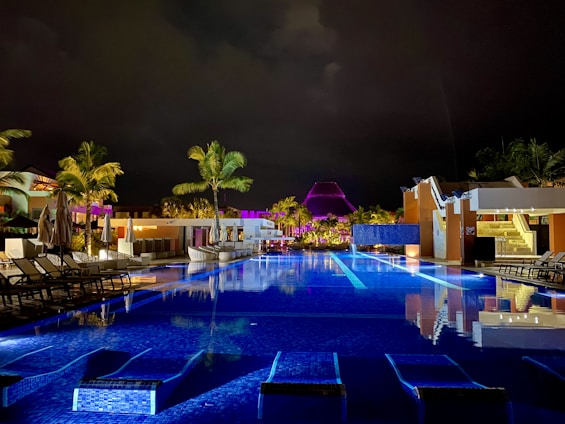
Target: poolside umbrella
62,230
106,236
130,235
224,233
212,234
45,228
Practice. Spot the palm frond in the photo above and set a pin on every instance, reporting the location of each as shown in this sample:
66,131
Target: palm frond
241,184
194,187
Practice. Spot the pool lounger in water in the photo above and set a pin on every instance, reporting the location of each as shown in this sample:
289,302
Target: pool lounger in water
551,365
309,376
31,371
446,393
140,386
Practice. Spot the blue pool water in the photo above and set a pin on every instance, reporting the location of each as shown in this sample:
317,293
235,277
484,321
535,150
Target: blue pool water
360,306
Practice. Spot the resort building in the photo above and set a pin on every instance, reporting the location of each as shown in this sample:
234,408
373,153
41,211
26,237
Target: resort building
462,222
39,186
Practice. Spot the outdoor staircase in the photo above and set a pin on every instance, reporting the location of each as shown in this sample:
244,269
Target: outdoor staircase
509,240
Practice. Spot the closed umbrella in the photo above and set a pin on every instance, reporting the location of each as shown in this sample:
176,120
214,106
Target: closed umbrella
45,228
106,236
130,235
62,229
224,234
212,234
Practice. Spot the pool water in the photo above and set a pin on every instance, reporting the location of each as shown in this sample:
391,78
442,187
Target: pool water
360,306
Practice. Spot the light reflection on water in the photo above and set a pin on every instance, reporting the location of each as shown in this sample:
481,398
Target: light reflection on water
254,308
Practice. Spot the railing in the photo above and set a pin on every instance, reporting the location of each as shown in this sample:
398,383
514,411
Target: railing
529,236
436,194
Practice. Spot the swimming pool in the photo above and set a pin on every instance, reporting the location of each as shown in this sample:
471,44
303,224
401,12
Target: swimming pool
360,306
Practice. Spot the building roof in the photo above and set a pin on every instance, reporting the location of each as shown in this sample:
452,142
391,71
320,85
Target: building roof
327,198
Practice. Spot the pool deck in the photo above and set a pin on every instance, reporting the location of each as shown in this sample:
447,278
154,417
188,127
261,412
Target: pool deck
12,316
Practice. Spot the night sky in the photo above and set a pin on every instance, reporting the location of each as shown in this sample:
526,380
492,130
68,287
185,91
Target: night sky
365,93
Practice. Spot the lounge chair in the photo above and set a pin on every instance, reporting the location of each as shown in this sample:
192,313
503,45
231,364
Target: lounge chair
550,365
514,266
50,270
542,269
310,376
74,267
31,371
444,392
141,386
31,277
8,291
32,273
546,380
200,255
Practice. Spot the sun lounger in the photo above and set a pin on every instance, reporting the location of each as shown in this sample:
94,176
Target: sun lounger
32,275
310,375
140,386
551,365
543,268
200,255
29,372
8,291
31,278
509,267
73,266
51,271
444,392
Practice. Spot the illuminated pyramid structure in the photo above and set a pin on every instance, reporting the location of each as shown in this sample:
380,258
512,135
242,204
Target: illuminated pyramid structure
327,198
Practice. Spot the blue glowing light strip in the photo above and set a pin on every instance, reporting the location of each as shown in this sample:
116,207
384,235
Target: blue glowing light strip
419,274
355,281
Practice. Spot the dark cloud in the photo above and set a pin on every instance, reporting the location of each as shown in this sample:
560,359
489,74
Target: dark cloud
368,94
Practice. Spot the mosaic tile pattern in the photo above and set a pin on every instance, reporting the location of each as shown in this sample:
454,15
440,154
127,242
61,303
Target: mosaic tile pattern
386,234
262,307
117,396
303,374
33,379
140,386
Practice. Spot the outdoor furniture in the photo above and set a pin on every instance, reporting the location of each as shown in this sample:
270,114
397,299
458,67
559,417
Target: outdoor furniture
141,386
52,271
32,275
544,267
550,365
200,255
509,266
31,371
8,291
444,392
103,275
312,377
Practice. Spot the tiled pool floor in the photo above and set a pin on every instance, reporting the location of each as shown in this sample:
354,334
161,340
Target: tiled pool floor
257,310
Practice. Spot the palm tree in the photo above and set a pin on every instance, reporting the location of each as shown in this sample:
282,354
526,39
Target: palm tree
216,167
540,166
379,215
283,209
360,216
302,217
530,161
86,179
173,207
200,208
10,179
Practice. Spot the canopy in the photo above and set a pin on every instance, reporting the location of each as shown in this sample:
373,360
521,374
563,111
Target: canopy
20,222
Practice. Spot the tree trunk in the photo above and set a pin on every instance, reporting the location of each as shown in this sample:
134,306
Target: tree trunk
88,229
216,216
